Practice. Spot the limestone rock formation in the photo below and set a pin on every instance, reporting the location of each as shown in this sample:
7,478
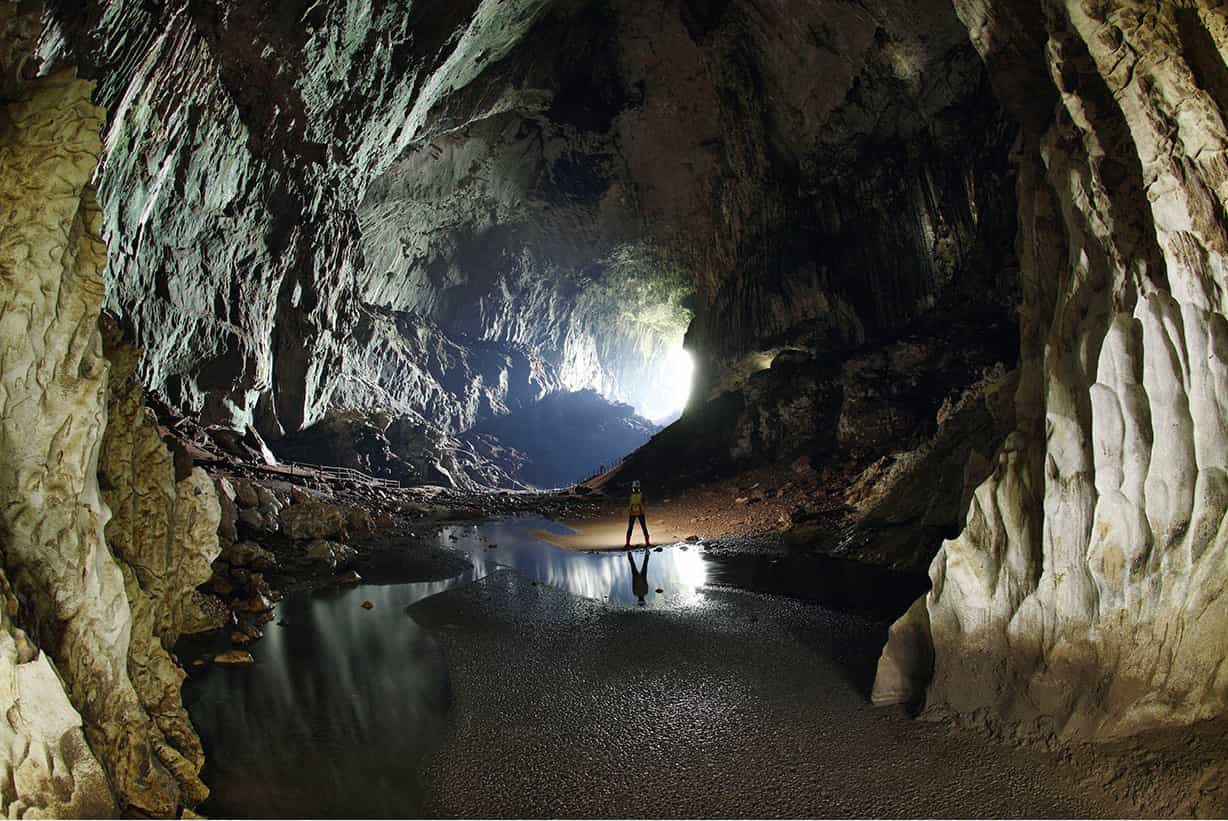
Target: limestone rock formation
71,588
47,770
513,173
164,532
1085,595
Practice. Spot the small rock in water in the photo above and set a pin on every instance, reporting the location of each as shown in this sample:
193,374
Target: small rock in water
233,657
492,545
693,539
259,603
660,590
682,547
657,549
368,604
198,663
349,578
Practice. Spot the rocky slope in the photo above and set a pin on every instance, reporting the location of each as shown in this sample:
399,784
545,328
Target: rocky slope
1084,595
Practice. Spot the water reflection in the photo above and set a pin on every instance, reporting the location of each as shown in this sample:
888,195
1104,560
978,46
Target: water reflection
679,573
343,702
333,718
639,578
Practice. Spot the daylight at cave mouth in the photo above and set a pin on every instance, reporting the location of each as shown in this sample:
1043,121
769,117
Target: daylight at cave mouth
578,408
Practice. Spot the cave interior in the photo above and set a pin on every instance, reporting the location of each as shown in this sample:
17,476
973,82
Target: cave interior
932,288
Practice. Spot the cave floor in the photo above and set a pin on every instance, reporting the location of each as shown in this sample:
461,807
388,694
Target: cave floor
748,705
497,693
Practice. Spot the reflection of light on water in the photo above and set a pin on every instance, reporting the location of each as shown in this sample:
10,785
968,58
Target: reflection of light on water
605,575
691,567
341,696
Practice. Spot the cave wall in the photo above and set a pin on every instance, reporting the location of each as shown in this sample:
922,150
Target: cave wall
50,290
1085,593
578,180
163,532
94,722
781,173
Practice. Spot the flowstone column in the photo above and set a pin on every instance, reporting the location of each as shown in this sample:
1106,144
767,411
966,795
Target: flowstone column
1086,594
68,590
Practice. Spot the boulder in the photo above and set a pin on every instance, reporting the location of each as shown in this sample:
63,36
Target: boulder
249,554
270,503
333,554
232,658
204,612
227,529
312,520
245,493
360,521
256,521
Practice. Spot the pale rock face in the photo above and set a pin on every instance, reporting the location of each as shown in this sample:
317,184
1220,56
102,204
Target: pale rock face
163,530
105,619
907,660
1085,595
47,771
50,427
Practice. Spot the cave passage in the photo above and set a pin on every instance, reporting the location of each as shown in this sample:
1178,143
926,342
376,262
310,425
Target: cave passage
340,343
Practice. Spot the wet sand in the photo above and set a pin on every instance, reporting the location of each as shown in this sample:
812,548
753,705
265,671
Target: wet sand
607,534
747,705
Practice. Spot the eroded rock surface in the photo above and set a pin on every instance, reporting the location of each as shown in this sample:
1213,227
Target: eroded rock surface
71,588
1085,593
164,533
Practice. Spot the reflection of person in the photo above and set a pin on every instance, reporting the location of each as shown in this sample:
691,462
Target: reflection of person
635,510
639,578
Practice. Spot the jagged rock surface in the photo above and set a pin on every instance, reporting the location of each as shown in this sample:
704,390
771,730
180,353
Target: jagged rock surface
1085,595
514,172
48,769
71,588
402,365
164,532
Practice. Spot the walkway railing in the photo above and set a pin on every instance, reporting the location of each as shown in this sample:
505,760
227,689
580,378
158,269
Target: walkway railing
331,472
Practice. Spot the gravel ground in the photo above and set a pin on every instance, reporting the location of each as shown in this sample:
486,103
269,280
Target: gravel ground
748,705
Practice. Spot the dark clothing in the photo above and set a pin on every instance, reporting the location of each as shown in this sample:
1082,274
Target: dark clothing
639,578
631,527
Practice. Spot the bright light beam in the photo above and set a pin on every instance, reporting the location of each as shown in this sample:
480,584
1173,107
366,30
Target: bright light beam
677,373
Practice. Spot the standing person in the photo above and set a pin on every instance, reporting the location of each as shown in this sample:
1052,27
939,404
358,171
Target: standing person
636,510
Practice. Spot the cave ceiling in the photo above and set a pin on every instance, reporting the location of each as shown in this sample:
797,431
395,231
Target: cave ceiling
587,181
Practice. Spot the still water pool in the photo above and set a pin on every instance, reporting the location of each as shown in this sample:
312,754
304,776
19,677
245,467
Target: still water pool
343,703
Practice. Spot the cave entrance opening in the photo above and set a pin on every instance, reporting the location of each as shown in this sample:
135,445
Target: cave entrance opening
668,397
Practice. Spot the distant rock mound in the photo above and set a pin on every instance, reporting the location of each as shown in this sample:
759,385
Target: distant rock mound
564,438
